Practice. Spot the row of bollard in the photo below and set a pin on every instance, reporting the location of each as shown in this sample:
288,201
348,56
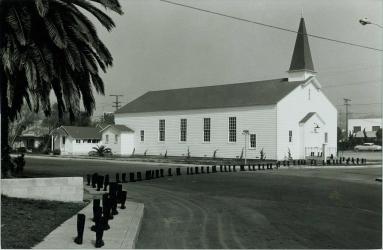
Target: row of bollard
101,182
102,214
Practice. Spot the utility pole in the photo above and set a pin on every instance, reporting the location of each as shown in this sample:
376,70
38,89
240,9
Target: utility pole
346,103
117,103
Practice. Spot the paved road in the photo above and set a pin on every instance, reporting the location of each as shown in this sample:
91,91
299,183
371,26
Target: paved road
294,208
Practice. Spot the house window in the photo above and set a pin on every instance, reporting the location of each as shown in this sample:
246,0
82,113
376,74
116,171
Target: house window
357,129
325,137
290,135
375,128
115,138
162,130
253,140
142,135
106,139
78,141
206,129
232,129
64,139
183,126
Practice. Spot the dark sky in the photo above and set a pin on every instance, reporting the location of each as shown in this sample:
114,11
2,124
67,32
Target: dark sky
157,45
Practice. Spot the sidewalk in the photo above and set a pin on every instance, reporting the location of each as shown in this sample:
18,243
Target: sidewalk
123,232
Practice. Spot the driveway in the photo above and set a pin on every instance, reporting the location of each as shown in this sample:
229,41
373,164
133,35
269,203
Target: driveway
294,208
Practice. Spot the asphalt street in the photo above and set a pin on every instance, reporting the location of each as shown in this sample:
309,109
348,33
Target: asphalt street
285,208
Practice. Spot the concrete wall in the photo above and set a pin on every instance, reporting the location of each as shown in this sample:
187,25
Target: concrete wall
57,189
259,120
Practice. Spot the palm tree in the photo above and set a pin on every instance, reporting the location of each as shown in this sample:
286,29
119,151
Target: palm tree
101,150
50,46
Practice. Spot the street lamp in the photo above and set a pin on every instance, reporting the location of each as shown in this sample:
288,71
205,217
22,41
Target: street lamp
365,21
245,133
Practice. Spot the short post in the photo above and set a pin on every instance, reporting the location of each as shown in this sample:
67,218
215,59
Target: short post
99,233
196,170
220,168
80,228
242,168
161,172
170,172
94,180
131,177
157,173
139,176
178,171
123,199
96,204
106,182
202,170
118,178
88,179
263,166
119,191
224,168
234,170
259,166
207,169
187,171
123,177
100,181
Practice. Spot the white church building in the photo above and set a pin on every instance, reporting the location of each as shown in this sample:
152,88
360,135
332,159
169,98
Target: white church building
283,117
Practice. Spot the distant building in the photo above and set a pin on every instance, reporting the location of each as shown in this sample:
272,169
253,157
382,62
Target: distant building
370,125
119,138
32,137
280,116
74,140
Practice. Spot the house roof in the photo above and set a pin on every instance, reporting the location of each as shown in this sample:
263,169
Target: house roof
267,92
301,59
369,134
82,132
118,127
307,117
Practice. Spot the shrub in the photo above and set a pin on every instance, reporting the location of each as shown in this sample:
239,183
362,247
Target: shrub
57,152
263,154
22,150
215,153
20,163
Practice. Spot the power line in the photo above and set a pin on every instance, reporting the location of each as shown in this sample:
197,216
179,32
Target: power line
351,84
372,103
117,103
269,26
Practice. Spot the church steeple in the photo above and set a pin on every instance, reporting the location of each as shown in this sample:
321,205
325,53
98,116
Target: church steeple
301,66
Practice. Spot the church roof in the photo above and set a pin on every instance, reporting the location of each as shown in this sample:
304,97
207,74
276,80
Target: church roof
301,59
267,92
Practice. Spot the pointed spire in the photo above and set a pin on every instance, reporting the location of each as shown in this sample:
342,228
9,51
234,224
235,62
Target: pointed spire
301,59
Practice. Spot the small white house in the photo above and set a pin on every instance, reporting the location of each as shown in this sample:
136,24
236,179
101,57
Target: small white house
74,140
119,138
281,117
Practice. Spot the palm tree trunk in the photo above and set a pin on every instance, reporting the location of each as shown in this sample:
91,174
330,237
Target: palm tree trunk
5,158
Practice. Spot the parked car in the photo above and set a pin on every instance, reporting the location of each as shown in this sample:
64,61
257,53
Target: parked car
368,147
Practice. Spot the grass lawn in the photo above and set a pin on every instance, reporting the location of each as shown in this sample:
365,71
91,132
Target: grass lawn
24,222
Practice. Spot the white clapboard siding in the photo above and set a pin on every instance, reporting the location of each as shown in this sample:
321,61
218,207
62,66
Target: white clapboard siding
260,120
292,108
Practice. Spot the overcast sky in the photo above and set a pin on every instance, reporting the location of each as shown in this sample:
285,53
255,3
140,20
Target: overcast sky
157,45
